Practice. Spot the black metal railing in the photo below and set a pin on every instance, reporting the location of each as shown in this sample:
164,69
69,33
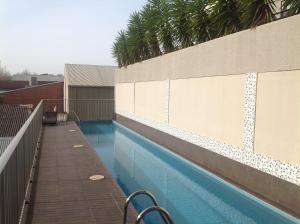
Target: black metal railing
16,167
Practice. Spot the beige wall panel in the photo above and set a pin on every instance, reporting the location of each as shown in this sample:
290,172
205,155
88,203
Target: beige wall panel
211,107
151,100
124,94
277,128
270,47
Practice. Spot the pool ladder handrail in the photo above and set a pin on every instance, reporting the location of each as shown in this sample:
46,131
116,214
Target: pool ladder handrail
76,117
164,214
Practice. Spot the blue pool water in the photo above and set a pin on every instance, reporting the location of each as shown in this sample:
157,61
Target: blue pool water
191,194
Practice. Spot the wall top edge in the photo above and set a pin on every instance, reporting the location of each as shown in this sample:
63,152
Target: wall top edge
202,76
257,29
239,53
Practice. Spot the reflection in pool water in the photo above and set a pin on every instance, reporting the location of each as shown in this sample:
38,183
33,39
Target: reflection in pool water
191,194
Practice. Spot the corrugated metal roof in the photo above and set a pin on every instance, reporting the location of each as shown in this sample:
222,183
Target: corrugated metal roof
12,118
89,75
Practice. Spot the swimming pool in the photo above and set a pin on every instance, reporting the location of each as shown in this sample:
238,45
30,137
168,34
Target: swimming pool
191,194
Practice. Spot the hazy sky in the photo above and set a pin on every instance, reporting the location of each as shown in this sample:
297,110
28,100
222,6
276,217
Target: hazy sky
43,35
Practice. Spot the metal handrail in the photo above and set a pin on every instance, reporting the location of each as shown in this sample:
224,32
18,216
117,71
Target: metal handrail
76,116
161,210
133,195
16,168
4,158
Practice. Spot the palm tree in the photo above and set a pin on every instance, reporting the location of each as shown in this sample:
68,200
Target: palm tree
181,20
120,49
150,21
116,53
226,16
163,25
258,12
165,33
293,6
200,21
137,46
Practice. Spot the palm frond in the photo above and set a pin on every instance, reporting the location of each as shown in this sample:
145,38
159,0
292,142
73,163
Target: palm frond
181,21
151,20
164,27
120,49
137,47
258,12
200,21
292,6
226,17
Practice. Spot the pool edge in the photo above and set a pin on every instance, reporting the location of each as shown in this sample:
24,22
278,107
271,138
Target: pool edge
273,190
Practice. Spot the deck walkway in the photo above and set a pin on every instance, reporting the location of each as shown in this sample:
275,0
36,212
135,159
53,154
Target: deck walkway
62,191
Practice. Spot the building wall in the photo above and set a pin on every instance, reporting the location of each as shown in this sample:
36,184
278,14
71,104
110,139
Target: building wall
32,95
91,103
150,100
125,97
277,123
7,85
237,96
211,107
87,92
247,51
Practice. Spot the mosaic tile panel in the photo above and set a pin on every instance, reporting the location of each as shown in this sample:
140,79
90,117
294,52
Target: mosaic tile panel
250,106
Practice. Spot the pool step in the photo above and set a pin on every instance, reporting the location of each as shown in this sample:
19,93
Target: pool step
163,212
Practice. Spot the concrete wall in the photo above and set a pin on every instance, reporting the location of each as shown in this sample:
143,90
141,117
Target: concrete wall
150,100
125,97
237,96
218,108
211,107
277,124
271,47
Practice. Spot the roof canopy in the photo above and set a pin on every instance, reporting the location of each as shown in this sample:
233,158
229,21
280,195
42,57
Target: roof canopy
89,75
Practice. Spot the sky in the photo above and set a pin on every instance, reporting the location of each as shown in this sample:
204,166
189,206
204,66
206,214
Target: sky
42,35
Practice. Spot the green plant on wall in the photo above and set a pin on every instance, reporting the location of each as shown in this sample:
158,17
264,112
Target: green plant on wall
226,17
200,21
120,49
182,22
292,6
258,12
163,26
151,22
137,46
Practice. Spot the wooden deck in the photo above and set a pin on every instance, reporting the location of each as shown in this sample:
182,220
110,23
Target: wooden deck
62,191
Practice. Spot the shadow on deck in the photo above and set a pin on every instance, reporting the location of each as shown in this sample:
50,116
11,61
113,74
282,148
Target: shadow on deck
62,191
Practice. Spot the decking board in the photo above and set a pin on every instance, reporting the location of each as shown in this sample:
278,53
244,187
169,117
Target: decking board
62,191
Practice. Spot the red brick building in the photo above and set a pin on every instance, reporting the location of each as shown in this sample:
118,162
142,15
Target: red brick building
7,85
52,93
